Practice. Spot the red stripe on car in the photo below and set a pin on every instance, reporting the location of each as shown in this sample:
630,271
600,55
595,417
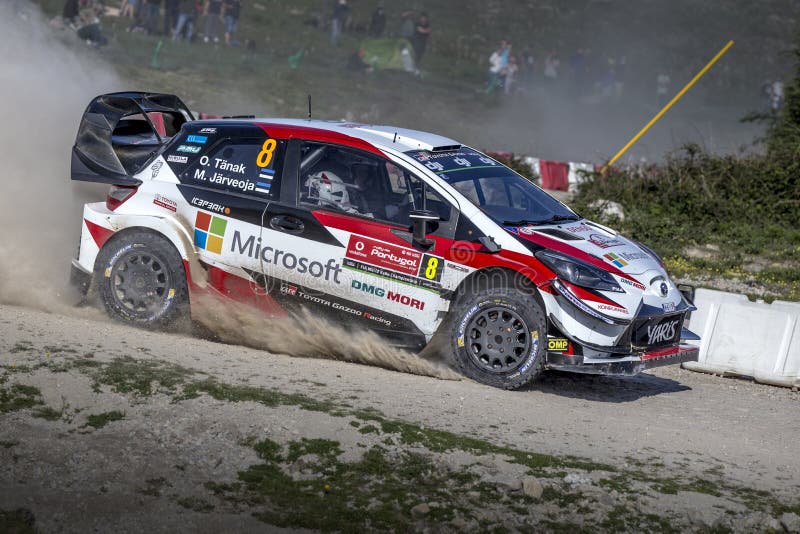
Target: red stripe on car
100,234
283,131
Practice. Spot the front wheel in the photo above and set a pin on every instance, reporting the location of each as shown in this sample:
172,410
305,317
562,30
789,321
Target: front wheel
141,279
497,337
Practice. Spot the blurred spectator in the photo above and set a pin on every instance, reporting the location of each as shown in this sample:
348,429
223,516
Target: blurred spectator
232,8
187,12
378,23
126,9
662,88
338,18
619,86
420,38
407,28
152,12
170,15
510,74
213,13
356,62
70,12
776,95
551,64
527,66
88,25
495,69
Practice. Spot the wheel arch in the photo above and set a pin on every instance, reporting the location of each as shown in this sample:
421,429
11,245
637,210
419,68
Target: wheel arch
172,234
497,277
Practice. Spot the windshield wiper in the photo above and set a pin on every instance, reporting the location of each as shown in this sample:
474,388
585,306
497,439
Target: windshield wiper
552,220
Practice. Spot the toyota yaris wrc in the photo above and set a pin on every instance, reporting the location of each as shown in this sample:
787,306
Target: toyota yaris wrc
408,234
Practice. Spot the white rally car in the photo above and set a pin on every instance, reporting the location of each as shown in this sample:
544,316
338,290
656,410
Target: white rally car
409,234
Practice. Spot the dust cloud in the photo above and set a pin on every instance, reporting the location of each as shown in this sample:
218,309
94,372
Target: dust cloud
308,336
45,87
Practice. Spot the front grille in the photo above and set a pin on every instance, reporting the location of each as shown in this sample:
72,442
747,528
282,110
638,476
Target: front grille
660,331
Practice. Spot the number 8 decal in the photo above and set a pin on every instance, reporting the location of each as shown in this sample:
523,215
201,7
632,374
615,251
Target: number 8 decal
430,270
264,157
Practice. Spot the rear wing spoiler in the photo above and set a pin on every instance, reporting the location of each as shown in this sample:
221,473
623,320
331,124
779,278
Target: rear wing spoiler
121,132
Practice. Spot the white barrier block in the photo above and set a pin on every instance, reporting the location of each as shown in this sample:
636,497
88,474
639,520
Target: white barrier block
575,177
746,338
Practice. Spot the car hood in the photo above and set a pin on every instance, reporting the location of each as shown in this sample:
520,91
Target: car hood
604,244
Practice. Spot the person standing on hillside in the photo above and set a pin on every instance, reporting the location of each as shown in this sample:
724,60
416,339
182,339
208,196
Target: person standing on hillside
213,13
662,88
151,14
340,10
378,23
170,15
187,11
232,8
551,64
127,9
419,40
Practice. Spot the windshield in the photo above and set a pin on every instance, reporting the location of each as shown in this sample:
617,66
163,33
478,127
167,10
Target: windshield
502,194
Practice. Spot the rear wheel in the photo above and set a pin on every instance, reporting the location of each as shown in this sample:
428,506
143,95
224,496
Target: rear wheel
141,279
497,337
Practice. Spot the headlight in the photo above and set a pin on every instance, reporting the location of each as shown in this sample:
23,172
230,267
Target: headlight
579,273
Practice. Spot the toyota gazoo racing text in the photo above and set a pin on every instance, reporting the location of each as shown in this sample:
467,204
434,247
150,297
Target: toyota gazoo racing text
409,234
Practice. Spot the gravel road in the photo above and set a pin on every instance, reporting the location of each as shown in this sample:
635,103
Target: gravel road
107,427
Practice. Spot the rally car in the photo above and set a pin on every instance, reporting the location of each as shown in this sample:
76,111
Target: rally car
409,234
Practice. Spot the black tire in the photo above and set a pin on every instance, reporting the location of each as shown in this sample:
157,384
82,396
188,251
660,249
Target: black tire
498,337
141,280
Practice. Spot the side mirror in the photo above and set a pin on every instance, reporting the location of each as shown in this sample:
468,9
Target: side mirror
419,222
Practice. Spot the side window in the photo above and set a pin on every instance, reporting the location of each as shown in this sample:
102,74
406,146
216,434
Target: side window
247,166
362,184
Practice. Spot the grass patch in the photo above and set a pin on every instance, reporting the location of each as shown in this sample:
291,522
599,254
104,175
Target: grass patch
140,377
195,504
267,397
375,493
18,397
47,413
102,419
21,346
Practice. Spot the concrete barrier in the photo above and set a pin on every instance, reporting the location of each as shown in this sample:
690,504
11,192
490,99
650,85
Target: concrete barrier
744,338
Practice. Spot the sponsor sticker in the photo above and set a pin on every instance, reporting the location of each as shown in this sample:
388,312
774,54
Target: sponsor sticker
251,247
208,130
166,203
210,206
378,291
557,344
394,262
579,229
209,231
156,167
609,307
197,139
385,255
172,158
191,149
668,306
616,260
602,241
631,283
287,289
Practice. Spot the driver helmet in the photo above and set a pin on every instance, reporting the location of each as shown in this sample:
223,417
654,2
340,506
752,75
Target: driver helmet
328,188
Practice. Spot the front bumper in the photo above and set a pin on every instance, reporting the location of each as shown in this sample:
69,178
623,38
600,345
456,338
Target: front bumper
625,366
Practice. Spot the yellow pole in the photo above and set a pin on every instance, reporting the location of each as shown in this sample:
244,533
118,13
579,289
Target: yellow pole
666,108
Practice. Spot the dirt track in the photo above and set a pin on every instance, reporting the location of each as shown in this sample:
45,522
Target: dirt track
181,422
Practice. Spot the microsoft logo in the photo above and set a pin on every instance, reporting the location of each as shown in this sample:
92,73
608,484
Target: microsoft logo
209,231
616,260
